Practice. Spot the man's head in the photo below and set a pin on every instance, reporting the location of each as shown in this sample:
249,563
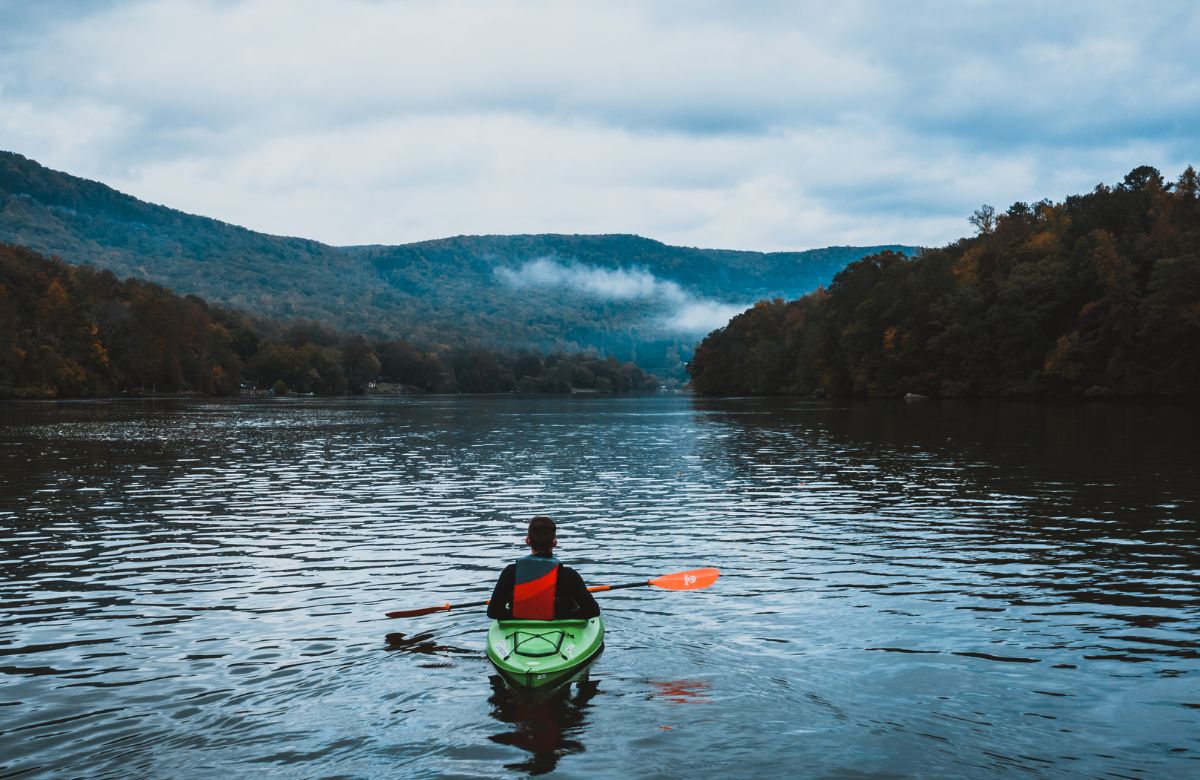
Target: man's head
542,535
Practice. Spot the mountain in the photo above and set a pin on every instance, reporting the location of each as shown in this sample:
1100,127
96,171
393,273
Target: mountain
628,296
69,331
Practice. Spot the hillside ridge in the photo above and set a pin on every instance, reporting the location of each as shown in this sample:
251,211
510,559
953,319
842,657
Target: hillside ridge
633,297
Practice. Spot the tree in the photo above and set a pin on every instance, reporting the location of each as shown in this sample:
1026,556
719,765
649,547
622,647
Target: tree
361,363
1142,177
1097,295
402,362
1188,187
984,219
1169,331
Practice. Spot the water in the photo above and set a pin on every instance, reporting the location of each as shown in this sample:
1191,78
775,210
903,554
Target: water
196,590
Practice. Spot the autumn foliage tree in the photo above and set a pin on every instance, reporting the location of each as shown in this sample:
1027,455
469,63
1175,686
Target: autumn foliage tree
1098,295
72,331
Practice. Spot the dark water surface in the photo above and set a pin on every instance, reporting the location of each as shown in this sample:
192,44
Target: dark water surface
195,590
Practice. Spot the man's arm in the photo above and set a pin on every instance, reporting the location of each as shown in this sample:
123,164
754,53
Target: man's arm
500,607
573,597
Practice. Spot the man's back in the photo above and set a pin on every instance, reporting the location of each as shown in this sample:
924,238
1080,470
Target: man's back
571,596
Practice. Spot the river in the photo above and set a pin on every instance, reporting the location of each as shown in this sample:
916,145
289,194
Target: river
941,589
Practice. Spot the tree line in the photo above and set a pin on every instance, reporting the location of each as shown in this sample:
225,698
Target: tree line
443,292
1098,295
74,331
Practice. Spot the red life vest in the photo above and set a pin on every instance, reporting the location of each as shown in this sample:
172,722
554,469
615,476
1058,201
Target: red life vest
535,587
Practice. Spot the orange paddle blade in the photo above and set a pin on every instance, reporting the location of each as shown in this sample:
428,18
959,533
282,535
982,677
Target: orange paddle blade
687,580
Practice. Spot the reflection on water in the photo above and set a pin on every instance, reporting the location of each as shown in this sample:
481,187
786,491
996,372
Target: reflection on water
546,724
424,644
197,589
682,691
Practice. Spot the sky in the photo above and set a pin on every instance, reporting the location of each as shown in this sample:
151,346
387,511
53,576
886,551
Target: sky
743,125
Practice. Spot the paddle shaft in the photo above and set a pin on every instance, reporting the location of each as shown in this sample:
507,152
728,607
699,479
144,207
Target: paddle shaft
602,588
680,580
485,602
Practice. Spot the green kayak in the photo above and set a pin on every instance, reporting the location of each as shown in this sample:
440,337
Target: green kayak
536,653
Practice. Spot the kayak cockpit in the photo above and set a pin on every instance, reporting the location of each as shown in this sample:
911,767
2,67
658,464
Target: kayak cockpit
532,653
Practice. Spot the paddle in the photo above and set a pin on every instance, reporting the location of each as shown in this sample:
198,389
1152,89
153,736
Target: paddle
680,580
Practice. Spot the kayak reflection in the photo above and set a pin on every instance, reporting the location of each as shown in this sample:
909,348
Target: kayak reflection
547,724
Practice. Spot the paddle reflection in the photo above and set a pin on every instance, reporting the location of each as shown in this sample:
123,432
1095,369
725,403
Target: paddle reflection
423,644
546,724
682,691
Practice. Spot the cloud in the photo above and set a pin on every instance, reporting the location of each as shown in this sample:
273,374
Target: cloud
307,60
616,284
704,316
685,313
774,125
692,68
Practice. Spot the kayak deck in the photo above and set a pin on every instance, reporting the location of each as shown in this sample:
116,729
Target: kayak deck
536,653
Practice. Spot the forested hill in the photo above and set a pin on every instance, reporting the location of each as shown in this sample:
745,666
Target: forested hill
1096,296
71,331
628,296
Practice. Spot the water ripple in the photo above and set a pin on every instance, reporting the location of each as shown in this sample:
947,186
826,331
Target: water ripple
192,589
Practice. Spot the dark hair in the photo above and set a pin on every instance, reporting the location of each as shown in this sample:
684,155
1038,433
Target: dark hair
542,532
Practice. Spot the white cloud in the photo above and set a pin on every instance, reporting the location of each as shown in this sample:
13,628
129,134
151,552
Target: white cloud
703,316
683,312
308,60
618,284
759,126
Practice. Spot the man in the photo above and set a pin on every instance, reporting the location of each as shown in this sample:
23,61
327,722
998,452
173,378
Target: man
538,587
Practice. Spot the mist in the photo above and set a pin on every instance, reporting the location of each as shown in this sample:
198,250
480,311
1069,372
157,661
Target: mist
683,312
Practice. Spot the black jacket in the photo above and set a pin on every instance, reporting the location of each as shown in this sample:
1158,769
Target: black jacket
571,597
